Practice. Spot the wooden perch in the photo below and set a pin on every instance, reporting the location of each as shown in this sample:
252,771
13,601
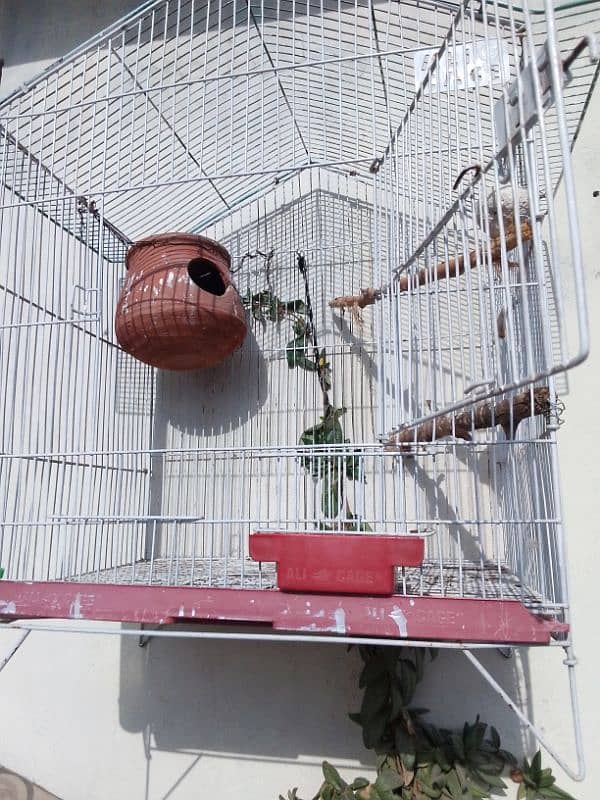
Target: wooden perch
507,413
366,298
456,266
501,323
450,269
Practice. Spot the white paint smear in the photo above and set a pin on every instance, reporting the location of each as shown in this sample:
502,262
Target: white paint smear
340,620
398,616
75,608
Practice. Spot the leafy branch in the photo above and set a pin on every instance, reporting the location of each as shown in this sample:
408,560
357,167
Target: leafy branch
266,306
416,759
303,352
536,782
330,469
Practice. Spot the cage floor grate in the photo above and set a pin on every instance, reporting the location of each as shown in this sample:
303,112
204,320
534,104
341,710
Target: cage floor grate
469,581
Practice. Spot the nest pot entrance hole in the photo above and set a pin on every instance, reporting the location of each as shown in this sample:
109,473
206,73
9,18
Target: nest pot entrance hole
206,276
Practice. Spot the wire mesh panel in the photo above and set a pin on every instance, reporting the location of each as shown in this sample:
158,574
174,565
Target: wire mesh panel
472,276
320,144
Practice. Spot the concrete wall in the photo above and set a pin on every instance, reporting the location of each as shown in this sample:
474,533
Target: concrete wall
97,716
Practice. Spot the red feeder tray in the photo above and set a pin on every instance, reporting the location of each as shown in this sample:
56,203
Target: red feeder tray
341,564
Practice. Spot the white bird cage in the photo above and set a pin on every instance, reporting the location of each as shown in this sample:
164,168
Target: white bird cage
329,135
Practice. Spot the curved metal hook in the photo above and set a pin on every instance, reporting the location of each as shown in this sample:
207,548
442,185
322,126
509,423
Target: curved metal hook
476,168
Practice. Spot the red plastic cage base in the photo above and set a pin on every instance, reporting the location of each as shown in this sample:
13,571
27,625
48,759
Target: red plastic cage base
430,618
340,564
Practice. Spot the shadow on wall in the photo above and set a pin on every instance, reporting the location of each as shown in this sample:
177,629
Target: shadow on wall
208,402
53,29
278,701
262,699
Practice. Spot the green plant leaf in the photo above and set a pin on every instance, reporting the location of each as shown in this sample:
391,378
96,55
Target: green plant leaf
332,776
353,468
546,781
461,773
328,792
1,573
491,780
453,785
419,663
477,792
324,368
494,737
375,698
404,746
359,783
389,779
536,766
378,792
408,679
508,757
429,791
397,696
300,328
372,672
440,758
555,793
265,306
327,431
438,775
373,729
330,494
408,759
295,306
296,353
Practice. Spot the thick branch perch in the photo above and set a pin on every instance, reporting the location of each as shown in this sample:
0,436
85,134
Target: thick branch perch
507,413
450,269
456,266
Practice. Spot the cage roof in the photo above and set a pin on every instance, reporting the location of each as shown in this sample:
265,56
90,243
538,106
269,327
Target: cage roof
182,111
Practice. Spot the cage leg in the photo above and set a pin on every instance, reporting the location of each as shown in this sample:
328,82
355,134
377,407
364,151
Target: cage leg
577,774
145,638
23,635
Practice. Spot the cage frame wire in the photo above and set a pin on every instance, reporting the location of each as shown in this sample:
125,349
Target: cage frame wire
387,620
95,214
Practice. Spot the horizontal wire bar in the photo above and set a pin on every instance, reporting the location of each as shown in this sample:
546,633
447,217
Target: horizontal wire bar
258,637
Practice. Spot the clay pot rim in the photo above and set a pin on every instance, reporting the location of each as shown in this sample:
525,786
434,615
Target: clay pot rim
176,238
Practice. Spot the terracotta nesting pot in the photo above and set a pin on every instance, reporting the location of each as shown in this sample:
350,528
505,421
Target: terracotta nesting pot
178,308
